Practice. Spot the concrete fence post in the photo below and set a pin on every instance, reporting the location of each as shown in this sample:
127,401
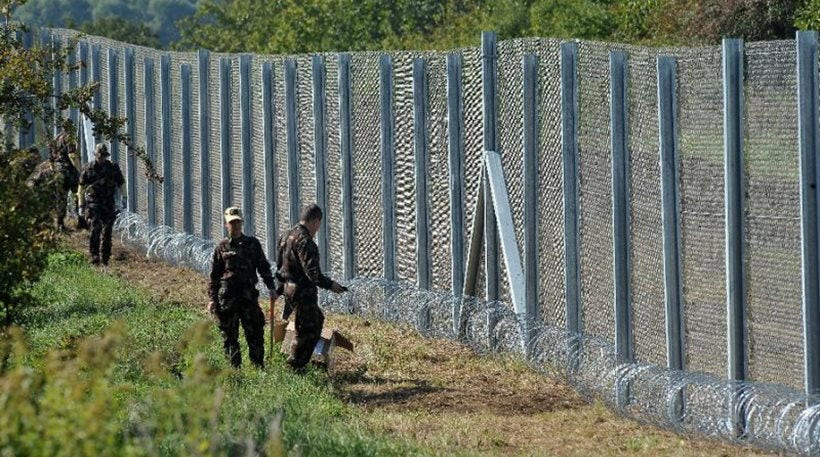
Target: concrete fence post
165,118
131,127
187,162
320,142
388,149
269,146
620,205
225,132
455,157
150,147
570,184
529,64
292,137
346,153
489,77
248,207
113,97
203,107
808,132
421,167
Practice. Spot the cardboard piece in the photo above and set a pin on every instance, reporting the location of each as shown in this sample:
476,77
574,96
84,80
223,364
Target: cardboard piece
322,353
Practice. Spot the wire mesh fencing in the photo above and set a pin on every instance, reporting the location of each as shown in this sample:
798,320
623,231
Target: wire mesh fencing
696,400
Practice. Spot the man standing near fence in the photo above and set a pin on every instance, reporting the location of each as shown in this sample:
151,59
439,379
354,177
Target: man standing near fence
100,180
298,276
232,290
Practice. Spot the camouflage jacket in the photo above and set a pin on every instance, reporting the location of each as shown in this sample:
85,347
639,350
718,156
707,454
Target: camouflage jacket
298,261
101,181
64,148
237,260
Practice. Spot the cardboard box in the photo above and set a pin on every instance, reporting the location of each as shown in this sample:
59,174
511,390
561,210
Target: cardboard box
322,353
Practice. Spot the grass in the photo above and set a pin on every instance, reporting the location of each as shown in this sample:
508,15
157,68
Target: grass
397,394
103,368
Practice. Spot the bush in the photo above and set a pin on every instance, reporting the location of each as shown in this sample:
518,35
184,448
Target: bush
103,370
27,233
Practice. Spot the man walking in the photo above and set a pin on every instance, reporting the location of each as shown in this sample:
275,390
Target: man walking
100,180
232,290
299,275
60,166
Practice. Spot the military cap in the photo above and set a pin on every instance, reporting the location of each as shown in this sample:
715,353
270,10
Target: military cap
233,214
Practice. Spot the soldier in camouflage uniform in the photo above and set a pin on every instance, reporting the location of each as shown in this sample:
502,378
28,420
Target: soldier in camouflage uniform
60,165
232,290
100,180
298,276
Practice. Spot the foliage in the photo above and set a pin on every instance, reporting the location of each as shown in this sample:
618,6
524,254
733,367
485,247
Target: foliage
120,29
102,370
291,26
27,233
156,16
294,26
807,16
26,229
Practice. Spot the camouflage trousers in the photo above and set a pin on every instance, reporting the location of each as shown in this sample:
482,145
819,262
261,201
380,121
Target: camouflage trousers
245,312
101,218
309,322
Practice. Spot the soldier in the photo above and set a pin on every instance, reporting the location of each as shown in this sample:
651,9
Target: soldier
298,276
66,157
232,290
100,180
60,165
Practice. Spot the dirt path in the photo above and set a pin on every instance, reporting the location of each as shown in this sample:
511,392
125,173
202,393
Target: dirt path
441,394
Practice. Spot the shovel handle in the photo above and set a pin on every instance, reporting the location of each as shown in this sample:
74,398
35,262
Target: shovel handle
272,319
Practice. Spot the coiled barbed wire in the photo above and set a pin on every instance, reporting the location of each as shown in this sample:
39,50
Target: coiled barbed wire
163,243
771,417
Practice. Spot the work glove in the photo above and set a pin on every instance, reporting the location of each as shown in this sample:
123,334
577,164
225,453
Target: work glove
337,288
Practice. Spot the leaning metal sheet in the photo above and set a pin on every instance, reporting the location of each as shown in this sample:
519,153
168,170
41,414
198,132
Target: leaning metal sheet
773,249
304,113
646,242
367,166
438,173
700,149
509,140
333,161
404,167
595,190
550,235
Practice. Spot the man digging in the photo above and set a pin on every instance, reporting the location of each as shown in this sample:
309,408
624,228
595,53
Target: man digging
298,277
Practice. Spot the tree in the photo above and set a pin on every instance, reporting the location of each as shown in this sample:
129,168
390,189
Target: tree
27,233
298,26
807,16
120,29
163,16
159,16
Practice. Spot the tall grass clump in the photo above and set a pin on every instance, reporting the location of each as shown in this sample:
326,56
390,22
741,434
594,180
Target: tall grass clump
97,368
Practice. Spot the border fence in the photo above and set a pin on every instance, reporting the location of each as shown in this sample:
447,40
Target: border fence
664,200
